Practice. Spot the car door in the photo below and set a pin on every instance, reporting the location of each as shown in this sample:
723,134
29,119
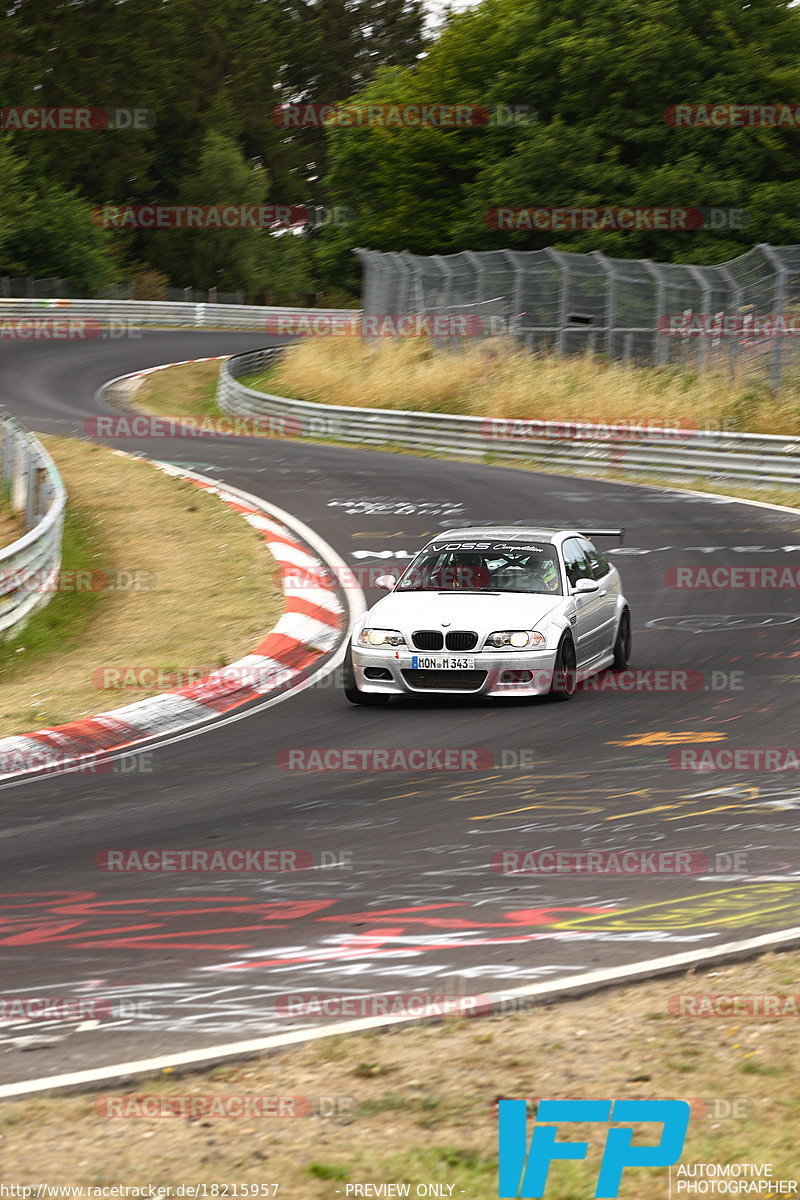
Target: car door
601,571
590,607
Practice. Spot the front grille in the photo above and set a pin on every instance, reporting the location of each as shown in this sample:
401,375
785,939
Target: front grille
427,639
425,679
461,639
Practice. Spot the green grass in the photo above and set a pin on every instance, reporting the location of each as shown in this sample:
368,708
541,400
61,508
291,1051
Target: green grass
60,623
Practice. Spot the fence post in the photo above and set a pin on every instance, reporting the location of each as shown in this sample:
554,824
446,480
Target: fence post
780,304
660,351
611,299
563,295
516,292
699,278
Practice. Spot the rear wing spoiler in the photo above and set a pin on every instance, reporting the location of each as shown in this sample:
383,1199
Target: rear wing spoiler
593,533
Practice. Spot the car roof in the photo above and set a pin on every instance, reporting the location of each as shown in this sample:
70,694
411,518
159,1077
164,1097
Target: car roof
502,532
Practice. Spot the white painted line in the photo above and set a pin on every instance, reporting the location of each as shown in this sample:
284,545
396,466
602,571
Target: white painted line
553,990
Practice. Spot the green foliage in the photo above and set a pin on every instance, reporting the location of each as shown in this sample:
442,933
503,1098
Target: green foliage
228,259
599,75
328,1171
46,229
211,77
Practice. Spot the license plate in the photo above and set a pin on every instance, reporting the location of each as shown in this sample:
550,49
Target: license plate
444,663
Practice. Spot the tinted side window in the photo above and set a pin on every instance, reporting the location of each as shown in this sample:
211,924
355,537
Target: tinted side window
596,559
575,562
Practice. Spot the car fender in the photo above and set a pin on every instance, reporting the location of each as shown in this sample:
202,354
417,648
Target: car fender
561,618
621,604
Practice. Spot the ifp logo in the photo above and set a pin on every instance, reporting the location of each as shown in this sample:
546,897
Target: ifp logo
523,1171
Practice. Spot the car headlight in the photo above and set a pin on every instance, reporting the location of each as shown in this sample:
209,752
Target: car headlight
516,639
381,637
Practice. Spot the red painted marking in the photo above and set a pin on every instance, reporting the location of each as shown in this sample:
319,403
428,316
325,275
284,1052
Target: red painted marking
309,609
286,650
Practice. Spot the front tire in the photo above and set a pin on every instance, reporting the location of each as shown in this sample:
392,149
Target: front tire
352,691
622,645
565,671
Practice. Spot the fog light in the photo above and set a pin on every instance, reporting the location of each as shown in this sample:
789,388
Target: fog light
515,677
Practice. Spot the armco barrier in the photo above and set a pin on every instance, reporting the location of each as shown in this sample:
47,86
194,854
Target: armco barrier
29,566
758,457
762,458
155,313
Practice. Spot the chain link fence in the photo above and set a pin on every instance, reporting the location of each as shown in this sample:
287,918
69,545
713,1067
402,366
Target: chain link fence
633,310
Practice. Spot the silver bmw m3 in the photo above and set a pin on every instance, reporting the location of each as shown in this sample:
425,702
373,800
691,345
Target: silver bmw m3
493,612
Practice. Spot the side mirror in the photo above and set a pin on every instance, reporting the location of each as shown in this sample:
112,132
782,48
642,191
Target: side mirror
385,582
584,586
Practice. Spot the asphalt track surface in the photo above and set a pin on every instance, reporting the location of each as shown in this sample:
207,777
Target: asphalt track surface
189,960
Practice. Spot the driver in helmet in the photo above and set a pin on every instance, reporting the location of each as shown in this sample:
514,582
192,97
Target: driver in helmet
542,575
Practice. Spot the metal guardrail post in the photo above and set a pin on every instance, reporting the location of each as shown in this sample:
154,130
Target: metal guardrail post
35,557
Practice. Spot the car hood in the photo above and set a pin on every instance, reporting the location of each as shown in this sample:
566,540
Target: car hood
483,612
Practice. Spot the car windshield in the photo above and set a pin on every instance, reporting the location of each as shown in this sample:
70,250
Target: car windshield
484,567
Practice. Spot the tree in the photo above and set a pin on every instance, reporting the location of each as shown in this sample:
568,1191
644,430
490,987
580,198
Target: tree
332,49
228,259
46,230
599,75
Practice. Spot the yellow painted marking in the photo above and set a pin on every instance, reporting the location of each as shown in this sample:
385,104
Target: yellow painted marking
509,812
641,811
669,739
645,793
730,906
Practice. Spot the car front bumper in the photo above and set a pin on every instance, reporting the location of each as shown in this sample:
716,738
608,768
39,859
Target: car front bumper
497,673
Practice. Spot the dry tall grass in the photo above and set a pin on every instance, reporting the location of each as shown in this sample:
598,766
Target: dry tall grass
498,380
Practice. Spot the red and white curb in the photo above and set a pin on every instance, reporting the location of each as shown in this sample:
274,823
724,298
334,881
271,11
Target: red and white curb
314,623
